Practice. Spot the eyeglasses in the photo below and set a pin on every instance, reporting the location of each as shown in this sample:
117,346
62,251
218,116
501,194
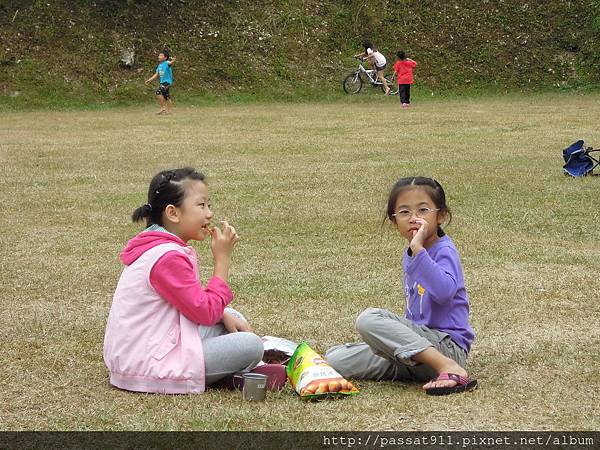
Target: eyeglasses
405,214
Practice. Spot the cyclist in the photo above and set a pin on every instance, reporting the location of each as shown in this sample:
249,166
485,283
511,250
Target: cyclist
376,61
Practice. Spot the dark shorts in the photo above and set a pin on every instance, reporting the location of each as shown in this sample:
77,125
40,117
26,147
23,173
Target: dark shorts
163,89
378,68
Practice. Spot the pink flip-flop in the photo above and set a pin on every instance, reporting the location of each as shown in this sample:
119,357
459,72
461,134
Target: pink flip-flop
463,384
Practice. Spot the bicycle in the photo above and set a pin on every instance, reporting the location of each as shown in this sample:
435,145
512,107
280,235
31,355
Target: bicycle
353,83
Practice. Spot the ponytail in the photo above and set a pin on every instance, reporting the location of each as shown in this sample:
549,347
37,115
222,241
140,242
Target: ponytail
141,213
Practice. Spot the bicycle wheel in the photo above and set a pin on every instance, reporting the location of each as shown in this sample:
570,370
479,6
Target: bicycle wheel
352,83
391,84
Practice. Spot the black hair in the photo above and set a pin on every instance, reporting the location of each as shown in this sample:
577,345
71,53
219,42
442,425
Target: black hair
166,188
367,44
166,53
401,54
431,186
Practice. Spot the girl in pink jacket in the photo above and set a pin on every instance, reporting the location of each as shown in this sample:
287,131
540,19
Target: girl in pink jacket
167,333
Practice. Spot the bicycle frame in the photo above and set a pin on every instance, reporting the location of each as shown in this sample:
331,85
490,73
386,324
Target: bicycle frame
370,73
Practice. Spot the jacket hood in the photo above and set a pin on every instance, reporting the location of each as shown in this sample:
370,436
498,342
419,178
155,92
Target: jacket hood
144,242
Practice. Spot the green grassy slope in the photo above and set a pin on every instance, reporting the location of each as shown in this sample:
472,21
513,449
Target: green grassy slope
56,52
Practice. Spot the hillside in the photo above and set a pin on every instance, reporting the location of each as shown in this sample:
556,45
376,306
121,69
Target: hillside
54,52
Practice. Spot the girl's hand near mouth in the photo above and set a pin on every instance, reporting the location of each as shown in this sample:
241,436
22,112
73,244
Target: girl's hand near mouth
222,242
418,239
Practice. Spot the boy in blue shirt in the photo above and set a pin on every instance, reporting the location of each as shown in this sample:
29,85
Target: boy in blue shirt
165,74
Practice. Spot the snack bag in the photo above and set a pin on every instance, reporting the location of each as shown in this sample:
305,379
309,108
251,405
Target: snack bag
313,378
277,350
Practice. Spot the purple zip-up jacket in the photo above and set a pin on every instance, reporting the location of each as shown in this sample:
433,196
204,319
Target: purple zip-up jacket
434,289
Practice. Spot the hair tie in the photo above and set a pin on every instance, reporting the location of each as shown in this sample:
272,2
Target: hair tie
149,206
167,178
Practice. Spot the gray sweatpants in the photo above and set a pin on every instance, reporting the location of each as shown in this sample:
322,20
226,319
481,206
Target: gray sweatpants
390,341
226,353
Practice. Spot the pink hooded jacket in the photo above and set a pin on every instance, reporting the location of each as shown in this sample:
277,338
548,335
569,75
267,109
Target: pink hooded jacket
152,342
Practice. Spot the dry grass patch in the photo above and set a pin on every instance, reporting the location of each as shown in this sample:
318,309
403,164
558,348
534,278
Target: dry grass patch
305,186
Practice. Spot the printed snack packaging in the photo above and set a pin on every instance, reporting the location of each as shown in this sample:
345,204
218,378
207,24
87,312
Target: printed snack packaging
313,378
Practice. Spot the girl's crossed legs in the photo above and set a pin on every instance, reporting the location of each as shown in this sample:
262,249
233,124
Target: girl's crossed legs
226,353
393,349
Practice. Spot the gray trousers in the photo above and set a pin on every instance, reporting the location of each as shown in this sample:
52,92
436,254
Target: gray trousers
226,353
390,341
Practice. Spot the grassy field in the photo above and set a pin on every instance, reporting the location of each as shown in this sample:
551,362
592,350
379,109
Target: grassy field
305,186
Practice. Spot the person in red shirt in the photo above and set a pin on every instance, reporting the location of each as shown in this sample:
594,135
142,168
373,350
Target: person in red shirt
403,70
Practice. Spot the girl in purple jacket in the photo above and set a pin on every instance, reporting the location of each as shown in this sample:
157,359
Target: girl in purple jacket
433,338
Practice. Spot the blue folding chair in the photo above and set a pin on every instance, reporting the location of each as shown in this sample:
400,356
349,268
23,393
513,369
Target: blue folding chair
578,161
